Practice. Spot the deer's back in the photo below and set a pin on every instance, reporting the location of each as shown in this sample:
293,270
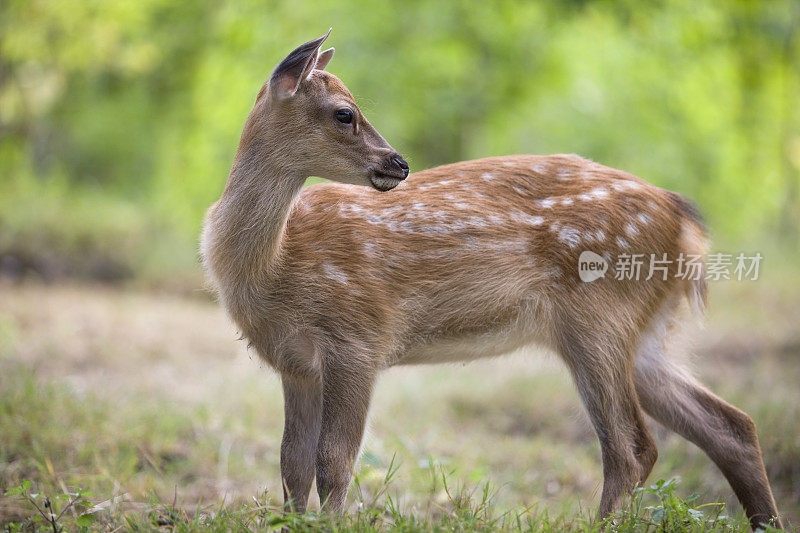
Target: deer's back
484,250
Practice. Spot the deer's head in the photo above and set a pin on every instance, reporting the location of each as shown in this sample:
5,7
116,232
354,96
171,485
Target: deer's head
310,121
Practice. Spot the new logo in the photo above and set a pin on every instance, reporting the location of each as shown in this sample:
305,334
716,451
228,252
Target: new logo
591,266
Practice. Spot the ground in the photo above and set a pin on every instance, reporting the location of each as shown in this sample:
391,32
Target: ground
146,397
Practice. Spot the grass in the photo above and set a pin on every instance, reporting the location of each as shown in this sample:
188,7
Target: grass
146,402
466,510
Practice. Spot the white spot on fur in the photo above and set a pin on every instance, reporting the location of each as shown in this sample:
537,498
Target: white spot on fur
445,227
631,229
624,185
595,236
622,243
371,250
643,218
472,245
570,236
547,203
346,210
519,216
430,229
405,218
333,272
476,222
567,201
538,168
594,194
520,189
393,211
513,246
487,176
563,174
652,205
407,227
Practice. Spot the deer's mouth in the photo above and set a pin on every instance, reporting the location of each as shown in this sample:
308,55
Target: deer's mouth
385,182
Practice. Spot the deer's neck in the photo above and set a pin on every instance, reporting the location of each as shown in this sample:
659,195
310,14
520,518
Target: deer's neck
248,224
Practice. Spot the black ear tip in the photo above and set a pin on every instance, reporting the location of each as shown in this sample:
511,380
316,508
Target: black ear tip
314,44
321,40
295,63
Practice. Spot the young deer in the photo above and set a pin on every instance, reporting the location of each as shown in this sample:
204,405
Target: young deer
335,282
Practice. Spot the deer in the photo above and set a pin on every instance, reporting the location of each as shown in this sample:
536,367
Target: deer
331,284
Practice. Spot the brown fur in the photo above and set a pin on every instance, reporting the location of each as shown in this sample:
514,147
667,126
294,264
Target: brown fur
335,282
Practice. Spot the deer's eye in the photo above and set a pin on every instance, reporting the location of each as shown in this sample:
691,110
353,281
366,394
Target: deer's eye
345,116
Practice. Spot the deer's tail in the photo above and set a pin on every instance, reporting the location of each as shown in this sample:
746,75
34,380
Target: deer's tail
693,242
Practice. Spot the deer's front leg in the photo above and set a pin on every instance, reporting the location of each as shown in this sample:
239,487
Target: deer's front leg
347,388
303,410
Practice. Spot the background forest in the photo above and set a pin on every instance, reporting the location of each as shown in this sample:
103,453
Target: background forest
119,120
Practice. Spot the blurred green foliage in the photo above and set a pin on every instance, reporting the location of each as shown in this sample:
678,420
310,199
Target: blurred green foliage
138,105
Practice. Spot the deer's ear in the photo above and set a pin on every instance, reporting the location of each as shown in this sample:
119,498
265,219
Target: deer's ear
324,58
292,71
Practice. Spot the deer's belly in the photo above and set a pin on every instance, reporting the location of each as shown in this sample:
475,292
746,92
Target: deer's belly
526,331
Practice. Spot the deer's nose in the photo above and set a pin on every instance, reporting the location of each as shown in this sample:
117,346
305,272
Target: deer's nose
396,160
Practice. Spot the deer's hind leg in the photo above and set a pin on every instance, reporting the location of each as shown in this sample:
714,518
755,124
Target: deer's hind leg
602,367
728,436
